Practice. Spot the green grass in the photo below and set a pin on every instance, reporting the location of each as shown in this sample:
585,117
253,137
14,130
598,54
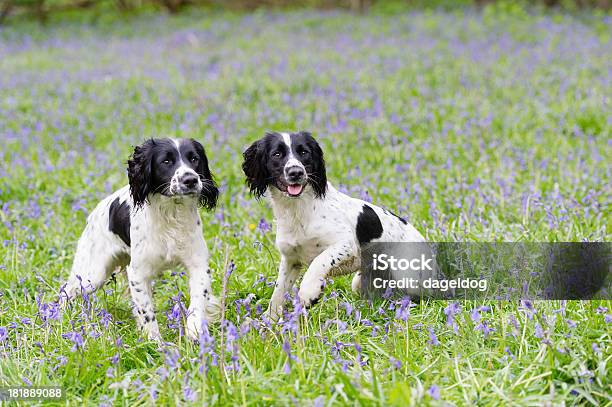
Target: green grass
491,126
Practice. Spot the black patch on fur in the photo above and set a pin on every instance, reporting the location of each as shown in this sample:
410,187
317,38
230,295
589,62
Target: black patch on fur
404,221
368,225
210,191
119,220
314,301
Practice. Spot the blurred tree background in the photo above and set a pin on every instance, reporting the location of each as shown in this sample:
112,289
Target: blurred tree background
41,9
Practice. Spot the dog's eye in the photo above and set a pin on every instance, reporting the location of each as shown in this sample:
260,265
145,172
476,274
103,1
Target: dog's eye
193,159
303,152
276,154
166,162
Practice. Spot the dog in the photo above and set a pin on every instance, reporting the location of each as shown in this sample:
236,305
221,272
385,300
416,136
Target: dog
151,225
316,225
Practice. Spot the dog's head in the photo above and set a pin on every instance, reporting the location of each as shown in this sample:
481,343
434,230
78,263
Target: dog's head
171,168
290,162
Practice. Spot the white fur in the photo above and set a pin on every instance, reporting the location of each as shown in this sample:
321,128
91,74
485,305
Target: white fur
165,232
315,232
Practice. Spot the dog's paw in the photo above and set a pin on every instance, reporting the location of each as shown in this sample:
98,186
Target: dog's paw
153,334
191,329
310,294
356,283
273,315
212,311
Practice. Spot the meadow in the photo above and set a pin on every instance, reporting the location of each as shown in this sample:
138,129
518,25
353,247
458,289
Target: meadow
475,125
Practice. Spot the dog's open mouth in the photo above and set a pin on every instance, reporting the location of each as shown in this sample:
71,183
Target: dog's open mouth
295,189
292,190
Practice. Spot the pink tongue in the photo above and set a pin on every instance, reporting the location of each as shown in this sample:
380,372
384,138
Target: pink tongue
294,189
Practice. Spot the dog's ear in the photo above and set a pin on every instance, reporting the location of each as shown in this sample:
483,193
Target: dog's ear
210,192
254,167
139,172
318,177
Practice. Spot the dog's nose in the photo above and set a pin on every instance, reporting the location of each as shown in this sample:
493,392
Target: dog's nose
295,174
189,181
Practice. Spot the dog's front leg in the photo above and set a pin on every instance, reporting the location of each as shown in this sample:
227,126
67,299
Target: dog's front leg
203,305
288,272
341,255
142,295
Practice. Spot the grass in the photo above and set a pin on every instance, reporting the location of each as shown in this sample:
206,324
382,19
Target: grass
476,126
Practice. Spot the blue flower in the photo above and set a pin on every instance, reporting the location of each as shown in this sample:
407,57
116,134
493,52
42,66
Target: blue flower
434,392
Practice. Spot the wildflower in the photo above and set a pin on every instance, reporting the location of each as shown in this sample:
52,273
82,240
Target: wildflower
287,349
403,312
189,394
153,391
595,348
48,311
434,392
230,269
433,339
263,227
515,326
319,402
526,306
485,328
76,338
601,310
171,357
3,334
396,363
360,360
232,343
106,317
475,315
347,307
450,311
207,346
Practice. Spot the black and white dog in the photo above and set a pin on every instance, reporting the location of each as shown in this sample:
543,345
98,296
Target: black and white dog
317,226
150,225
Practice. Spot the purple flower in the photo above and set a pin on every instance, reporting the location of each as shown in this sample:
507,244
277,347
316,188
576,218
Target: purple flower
231,344
403,312
595,348
263,226
348,308
48,311
608,318
601,310
171,358
450,311
475,315
106,317
396,363
485,328
76,338
189,394
433,339
434,392
3,334
526,306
